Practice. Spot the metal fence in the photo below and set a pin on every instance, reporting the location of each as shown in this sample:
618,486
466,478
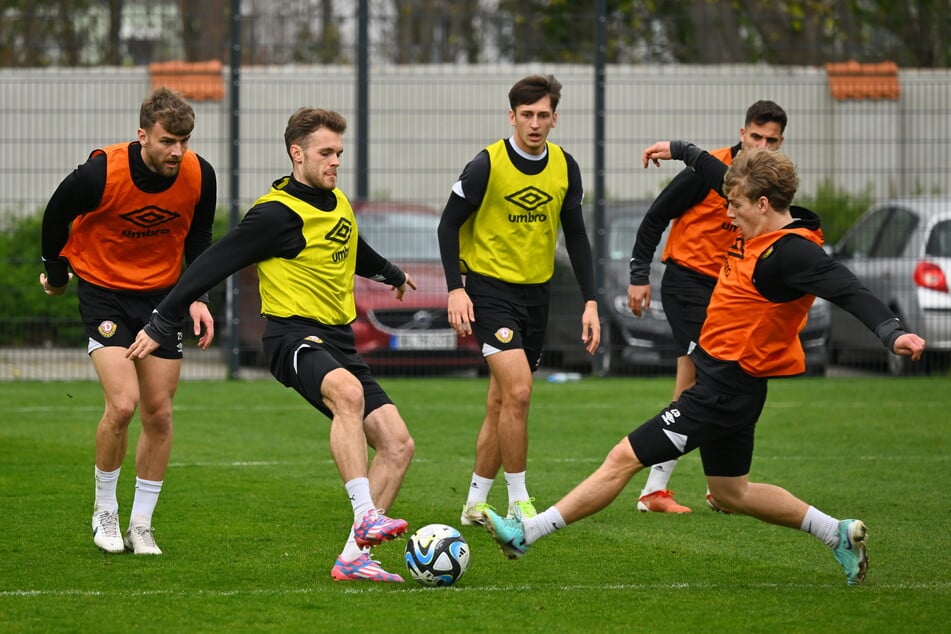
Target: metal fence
425,123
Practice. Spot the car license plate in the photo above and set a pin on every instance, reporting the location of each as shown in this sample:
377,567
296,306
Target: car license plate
424,341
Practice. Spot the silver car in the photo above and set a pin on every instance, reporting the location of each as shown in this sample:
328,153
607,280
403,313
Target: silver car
900,250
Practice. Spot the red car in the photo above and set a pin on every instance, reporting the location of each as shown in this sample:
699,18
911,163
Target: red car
411,336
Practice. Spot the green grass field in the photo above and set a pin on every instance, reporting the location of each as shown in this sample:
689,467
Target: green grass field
253,514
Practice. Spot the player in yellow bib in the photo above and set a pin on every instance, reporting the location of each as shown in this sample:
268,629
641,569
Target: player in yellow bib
305,241
499,229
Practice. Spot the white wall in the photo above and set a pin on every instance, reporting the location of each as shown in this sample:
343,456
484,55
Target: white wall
426,122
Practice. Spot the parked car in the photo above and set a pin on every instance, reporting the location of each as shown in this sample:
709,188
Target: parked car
408,336
633,344
901,250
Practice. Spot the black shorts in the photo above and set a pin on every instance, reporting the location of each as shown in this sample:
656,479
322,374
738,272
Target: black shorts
114,318
685,295
301,352
721,424
502,325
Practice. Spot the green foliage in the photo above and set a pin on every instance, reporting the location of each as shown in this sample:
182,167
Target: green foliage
27,315
253,514
837,208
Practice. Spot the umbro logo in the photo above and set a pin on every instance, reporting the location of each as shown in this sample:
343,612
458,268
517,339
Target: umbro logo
530,198
341,232
149,217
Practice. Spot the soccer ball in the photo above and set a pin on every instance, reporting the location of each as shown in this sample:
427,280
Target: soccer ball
437,555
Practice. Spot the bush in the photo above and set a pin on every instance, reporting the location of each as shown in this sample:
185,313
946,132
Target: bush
837,208
29,316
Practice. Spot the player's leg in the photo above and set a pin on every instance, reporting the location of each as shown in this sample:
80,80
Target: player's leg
317,373
488,459
596,492
726,462
776,505
676,430
121,395
685,296
393,447
513,378
656,497
158,381
503,437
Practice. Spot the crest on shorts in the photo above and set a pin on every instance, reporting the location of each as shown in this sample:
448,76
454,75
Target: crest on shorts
314,338
107,328
504,334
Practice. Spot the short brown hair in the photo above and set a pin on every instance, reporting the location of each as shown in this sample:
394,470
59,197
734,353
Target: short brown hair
169,108
306,120
530,89
762,172
764,111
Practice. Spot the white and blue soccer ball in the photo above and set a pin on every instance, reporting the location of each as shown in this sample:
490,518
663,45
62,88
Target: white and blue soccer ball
437,555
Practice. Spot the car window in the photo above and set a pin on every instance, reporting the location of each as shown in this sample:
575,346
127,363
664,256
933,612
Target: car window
622,235
401,236
623,232
859,242
895,234
939,242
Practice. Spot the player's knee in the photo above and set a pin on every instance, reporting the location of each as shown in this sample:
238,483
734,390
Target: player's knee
622,458
345,396
119,411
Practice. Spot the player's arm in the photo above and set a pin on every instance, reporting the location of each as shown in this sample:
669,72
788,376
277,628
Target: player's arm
465,199
79,193
686,190
196,242
579,254
803,266
200,232
374,266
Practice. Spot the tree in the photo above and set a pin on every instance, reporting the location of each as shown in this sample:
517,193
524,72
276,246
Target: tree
435,31
205,29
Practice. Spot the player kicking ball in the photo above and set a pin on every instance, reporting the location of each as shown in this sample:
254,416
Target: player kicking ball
769,279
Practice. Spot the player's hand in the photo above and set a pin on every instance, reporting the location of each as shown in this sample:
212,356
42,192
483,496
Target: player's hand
204,324
461,312
53,290
639,298
142,347
590,327
910,345
656,153
401,290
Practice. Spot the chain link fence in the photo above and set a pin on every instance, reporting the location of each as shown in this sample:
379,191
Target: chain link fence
424,122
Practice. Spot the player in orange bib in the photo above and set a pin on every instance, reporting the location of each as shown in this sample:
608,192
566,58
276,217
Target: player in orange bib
126,222
774,270
700,234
